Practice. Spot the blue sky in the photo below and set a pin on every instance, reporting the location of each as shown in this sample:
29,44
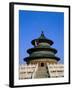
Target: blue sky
31,23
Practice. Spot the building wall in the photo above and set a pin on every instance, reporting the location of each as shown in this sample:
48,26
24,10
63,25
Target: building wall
44,61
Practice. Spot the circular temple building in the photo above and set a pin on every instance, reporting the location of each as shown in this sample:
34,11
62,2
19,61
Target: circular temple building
42,53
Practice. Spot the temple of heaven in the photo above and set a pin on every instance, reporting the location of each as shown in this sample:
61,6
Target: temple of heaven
42,53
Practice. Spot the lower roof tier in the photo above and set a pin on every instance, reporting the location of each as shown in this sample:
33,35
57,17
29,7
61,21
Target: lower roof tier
31,50
41,57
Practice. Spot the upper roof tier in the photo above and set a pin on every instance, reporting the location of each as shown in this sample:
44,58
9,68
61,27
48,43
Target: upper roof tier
42,38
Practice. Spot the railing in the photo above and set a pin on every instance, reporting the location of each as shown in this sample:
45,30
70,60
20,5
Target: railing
56,70
26,71
48,69
34,73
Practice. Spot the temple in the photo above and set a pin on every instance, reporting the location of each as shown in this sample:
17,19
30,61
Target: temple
42,57
42,53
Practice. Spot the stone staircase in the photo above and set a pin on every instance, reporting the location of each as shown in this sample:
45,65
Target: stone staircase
41,73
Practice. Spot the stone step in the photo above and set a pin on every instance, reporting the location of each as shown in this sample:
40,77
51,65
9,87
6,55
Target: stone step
41,73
